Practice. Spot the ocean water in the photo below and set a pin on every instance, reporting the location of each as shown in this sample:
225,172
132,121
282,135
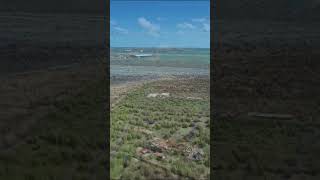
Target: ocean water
188,57
164,61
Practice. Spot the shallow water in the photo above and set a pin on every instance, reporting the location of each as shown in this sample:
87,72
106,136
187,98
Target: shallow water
164,62
182,57
123,74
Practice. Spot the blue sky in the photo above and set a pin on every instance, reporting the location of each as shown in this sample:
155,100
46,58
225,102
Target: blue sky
160,24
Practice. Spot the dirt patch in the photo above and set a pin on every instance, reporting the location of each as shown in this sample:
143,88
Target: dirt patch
160,95
119,91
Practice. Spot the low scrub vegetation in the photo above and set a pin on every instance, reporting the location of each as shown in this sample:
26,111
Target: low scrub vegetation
162,137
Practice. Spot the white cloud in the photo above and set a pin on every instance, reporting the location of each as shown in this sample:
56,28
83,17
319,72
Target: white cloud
186,25
121,30
150,27
206,27
203,22
114,25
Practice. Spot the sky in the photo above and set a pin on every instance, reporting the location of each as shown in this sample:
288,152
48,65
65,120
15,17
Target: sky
160,24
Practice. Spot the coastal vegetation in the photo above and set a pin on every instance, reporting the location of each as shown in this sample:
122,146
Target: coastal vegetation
161,130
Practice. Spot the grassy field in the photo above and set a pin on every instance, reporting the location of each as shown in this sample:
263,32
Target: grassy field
162,137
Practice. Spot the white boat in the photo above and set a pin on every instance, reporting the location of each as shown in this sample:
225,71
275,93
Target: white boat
142,55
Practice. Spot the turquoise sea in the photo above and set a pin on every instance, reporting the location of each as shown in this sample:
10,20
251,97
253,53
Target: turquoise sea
188,57
164,61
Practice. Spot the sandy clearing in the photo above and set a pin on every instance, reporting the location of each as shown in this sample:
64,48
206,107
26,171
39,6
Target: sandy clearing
119,91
